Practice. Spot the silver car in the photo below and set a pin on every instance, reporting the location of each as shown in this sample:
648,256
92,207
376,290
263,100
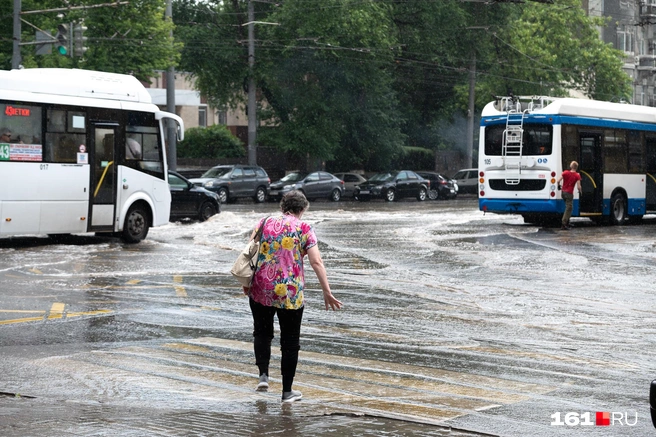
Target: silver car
314,185
351,180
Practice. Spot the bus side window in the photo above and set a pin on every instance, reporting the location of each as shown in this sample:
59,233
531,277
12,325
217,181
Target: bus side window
132,149
64,147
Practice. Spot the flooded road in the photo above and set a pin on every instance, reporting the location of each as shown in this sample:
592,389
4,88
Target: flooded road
455,323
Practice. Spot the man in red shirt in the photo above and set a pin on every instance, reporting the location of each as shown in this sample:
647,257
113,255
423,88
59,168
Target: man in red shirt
569,178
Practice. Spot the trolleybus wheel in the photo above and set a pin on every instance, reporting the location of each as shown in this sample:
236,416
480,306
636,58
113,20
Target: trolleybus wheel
618,212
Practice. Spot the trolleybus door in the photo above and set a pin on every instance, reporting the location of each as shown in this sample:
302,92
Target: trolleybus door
103,177
650,164
590,168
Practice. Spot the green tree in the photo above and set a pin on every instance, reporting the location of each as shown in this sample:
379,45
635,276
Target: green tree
321,71
351,81
215,141
132,39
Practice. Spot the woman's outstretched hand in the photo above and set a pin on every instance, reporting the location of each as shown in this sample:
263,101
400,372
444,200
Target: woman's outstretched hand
331,302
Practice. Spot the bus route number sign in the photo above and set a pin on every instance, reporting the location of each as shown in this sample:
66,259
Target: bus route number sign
4,152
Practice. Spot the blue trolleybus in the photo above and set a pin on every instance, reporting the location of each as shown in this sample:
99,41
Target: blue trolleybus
526,142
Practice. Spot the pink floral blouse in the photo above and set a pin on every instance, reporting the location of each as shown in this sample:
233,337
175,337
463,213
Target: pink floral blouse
279,279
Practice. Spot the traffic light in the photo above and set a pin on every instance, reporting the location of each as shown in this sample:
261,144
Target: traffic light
79,40
63,39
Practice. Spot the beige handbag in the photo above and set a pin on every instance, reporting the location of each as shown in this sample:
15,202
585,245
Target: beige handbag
246,264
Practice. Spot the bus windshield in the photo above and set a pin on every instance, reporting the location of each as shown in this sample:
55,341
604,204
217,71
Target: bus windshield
536,140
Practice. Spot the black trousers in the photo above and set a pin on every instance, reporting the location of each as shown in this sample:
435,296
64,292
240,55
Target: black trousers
290,333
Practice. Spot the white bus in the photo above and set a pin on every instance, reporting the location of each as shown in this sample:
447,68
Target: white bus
526,142
81,151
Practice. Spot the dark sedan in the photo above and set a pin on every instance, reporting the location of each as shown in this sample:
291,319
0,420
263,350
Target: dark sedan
441,187
393,185
190,201
315,185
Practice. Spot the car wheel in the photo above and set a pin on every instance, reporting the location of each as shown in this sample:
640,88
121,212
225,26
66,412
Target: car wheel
433,194
260,195
335,195
390,195
137,223
421,196
223,195
618,212
207,210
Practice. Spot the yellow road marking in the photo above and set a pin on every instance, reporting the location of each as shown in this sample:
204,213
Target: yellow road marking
57,311
133,281
23,311
88,313
179,289
35,270
26,319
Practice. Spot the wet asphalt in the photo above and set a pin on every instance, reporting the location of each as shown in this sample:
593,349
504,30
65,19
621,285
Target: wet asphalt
455,323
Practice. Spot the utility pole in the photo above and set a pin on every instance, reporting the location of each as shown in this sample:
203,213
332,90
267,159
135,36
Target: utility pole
16,55
252,104
470,112
171,133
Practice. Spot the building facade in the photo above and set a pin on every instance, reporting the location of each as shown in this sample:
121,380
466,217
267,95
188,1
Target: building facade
631,30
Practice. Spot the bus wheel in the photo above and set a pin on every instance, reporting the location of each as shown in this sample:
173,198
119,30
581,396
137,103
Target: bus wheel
137,223
618,209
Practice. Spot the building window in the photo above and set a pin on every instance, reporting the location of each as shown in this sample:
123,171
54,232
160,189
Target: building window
202,116
223,118
625,41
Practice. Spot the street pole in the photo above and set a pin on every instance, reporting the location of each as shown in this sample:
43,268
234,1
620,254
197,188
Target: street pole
16,55
470,112
252,105
171,133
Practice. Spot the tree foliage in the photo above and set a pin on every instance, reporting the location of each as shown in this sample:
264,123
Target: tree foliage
347,82
352,81
215,141
133,38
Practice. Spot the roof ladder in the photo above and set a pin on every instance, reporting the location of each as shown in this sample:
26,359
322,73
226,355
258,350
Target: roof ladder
512,146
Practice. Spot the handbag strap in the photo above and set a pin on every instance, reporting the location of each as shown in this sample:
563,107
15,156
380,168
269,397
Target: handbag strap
258,236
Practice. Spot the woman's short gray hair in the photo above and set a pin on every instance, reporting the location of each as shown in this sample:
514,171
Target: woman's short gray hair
294,202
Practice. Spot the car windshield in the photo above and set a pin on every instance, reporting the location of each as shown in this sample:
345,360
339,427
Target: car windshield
293,177
217,172
381,177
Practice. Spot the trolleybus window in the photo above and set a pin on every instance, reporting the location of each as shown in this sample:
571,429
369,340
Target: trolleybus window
536,139
615,151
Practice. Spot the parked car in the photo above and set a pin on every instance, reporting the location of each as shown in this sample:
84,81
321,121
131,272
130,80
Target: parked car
351,180
441,187
234,181
314,185
393,185
467,180
190,201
